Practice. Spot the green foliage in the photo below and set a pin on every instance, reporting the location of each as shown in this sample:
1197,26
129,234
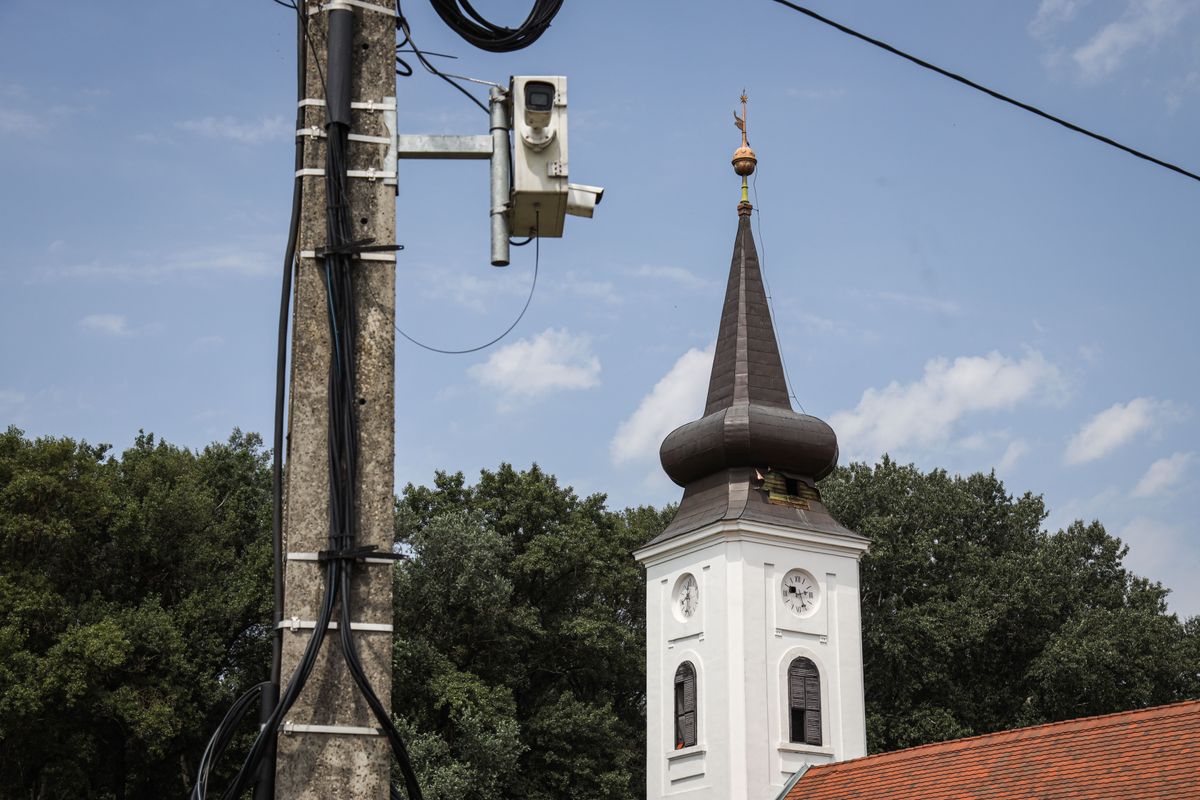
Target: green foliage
976,620
133,593
520,649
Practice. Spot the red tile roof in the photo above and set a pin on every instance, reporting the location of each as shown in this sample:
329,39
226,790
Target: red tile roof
1150,754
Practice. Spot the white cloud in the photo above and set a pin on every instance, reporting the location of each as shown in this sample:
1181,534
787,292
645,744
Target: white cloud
927,411
677,398
552,360
476,292
1112,428
817,93
20,122
922,303
106,324
257,132
573,284
1180,89
1145,22
684,277
1053,13
1164,551
1016,449
10,402
244,260
1163,474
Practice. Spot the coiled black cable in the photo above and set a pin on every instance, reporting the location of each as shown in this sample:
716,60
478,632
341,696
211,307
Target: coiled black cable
468,23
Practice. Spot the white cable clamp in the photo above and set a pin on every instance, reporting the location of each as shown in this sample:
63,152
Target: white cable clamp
365,105
290,727
315,556
295,625
390,258
370,174
315,132
347,5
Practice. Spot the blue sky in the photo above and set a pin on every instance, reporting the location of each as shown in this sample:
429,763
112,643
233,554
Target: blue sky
954,281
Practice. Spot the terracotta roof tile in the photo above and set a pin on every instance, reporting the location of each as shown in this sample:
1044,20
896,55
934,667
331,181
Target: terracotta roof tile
1149,754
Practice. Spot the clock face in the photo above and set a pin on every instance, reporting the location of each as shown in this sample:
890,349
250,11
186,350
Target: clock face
800,592
687,596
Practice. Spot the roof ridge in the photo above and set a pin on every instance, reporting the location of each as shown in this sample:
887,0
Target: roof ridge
1109,719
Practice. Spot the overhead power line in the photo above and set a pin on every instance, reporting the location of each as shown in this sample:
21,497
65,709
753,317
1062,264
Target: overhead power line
990,92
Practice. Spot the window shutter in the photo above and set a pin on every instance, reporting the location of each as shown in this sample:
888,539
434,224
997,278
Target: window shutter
687,729
812,727
685,705
804,702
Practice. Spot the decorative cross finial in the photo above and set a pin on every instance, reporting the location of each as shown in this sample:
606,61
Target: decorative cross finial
744,159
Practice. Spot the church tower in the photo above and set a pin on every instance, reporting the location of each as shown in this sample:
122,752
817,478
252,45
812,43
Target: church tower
753,632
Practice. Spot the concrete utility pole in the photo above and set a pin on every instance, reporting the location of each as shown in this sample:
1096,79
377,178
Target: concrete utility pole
329,748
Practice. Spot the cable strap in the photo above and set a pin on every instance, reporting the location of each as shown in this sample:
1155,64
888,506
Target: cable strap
290,727
389,257
296,624
317,556
371,174
346,5
316,132
367,105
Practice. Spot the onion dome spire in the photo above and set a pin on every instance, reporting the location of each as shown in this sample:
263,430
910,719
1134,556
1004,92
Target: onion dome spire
750,457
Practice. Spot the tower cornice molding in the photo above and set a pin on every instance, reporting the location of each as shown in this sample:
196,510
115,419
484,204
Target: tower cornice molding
740,530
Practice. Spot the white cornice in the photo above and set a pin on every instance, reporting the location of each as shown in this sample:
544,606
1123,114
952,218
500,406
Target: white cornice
740,530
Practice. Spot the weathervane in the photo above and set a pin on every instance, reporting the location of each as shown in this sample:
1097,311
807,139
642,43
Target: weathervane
743,158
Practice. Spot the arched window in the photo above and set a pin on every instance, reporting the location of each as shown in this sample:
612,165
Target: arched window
804,702
685,705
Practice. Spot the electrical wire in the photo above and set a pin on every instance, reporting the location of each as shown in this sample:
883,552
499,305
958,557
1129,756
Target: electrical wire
339,277
508,330
762,268
468,23
402,24
990,92
537,257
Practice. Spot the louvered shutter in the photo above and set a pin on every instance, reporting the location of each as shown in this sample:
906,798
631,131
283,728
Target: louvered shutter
685,705
804,702
812,710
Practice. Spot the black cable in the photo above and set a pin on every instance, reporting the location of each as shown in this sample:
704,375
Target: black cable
468,23
990,92
402,24
265,788
537,257
343,454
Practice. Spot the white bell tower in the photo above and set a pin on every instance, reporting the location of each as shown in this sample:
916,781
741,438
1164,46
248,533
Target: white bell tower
753,630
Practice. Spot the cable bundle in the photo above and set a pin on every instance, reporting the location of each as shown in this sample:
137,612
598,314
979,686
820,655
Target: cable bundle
468,23
339,277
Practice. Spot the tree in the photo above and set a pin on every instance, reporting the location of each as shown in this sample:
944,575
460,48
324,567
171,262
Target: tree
520,645
976,620
133,597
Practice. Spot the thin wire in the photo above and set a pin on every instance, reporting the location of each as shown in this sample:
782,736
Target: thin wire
990,92
537,248
762,268
402,23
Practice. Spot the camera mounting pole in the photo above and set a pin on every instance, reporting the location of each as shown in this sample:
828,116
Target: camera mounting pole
537,198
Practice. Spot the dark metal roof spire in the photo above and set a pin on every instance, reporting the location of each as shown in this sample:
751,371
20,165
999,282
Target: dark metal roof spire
747,367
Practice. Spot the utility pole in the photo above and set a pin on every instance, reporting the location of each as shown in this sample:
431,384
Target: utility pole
329,747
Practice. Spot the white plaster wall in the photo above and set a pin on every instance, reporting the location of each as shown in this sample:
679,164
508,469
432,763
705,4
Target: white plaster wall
740,641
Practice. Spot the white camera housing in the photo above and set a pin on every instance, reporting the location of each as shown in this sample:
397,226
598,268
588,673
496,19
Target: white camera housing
539,174
583,199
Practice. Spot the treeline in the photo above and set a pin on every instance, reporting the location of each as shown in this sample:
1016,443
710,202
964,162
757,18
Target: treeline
135,601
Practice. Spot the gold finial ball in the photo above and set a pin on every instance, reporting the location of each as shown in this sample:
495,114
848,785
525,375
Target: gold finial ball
744,161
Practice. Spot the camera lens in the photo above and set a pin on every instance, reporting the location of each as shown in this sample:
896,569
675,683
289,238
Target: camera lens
539,96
